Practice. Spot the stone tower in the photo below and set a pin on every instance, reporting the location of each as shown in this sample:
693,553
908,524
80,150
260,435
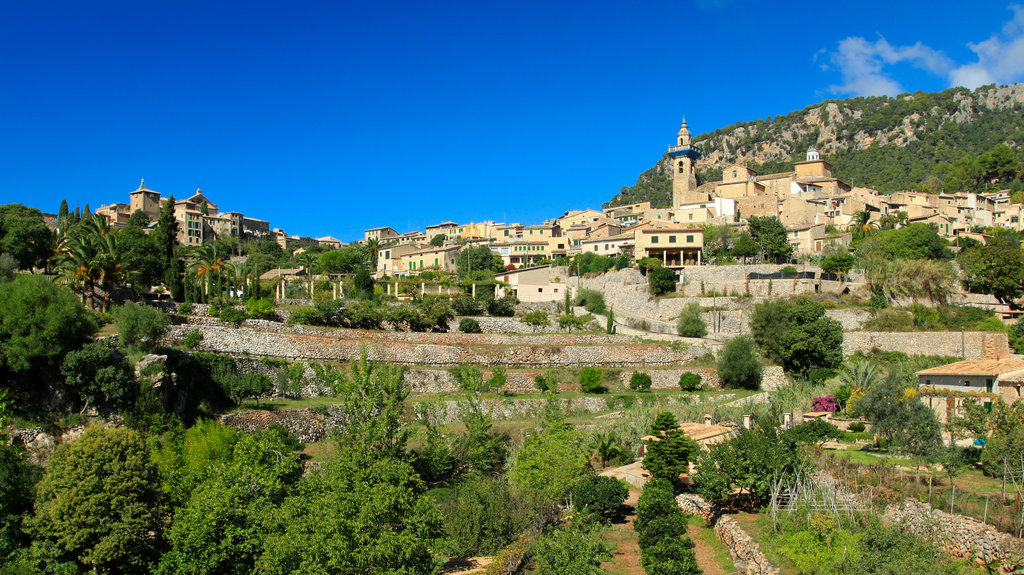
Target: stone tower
683,157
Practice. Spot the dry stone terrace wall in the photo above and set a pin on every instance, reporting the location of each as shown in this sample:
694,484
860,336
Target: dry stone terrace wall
958,535
747,554
968,345
438,349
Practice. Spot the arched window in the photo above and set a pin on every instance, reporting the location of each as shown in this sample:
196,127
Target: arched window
682,168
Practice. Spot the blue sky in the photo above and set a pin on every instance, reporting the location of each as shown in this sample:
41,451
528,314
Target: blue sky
332,117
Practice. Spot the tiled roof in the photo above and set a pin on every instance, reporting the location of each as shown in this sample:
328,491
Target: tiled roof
976,367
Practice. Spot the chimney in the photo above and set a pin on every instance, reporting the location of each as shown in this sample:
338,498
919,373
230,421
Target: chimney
747,422
707,419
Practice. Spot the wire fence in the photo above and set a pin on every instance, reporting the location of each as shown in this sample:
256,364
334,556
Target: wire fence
887,484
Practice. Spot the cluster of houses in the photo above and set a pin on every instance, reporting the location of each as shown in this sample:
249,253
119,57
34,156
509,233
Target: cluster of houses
815,207
201,221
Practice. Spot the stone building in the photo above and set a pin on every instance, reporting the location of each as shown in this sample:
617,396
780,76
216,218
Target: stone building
946,387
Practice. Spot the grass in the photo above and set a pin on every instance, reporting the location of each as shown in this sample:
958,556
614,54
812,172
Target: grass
705,537
870,458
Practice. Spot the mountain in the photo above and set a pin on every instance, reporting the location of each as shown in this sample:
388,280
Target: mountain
906,142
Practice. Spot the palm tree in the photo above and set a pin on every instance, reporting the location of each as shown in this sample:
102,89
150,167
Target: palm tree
862,223
859,374
308,261
90,261
607,447
205,267
373,246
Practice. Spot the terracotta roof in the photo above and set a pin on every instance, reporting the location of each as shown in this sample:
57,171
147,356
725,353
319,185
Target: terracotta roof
701,432
976,367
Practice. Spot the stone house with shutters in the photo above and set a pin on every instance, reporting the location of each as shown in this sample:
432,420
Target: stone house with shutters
946,387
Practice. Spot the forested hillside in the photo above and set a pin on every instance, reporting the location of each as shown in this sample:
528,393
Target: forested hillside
923,140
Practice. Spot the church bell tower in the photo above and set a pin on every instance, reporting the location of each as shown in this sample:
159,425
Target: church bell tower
683,157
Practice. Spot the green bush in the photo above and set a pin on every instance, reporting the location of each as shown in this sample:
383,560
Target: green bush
503,306
186,308
590,380
856,427
192,339
498,377
469,325
662,281
690,381
464,304
232,315
544,383
592,300
140,325
640,381
600,495
820,375
536,318
691,322
260,308
738,366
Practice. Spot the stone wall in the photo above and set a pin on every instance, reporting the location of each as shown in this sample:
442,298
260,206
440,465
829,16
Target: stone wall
307,426
746,553
438,349
968,345
669,378
958,535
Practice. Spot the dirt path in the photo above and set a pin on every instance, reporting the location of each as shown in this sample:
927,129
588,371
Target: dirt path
622,538
707,555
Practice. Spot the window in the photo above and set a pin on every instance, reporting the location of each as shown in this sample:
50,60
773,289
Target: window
691,216
689,239
654,239
988,385
734,173
671,239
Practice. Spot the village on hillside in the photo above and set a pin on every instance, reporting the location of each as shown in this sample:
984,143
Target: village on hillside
775,364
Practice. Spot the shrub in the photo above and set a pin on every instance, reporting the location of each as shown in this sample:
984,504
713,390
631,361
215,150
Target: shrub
545,384
600,495
691,322
662,281
640,381
498,377
140,325
192,339
232,315
590,380
469,325
737,364
186,308
464,304
536,318
689,381
788,270
503,306
820,375
857,427
797,334
592,300
260,308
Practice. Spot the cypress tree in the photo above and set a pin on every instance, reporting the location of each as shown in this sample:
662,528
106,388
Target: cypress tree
166,234
62,216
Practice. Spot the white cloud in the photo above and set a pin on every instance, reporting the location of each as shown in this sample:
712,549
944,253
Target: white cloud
862,63
1000,58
